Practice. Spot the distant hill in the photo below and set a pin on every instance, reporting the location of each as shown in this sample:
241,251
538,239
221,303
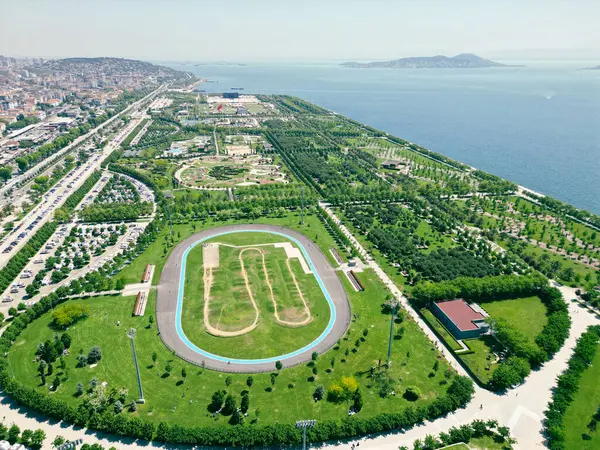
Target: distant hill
108,66
592,68
462,61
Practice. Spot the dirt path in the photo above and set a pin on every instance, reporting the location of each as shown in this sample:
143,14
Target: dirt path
215,331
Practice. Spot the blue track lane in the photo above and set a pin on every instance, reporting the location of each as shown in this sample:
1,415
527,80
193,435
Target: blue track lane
198,350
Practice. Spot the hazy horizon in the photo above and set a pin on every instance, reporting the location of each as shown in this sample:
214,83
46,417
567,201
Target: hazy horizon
330,30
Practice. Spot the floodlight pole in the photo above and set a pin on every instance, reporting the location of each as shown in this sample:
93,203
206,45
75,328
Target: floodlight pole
303,425
131,336
394,310
169,213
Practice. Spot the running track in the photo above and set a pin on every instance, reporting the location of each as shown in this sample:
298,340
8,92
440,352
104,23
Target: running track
170,298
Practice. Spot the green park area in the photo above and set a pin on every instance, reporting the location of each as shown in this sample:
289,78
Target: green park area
255,290
181,393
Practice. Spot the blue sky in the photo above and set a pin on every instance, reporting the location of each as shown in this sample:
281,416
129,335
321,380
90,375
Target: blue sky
287,30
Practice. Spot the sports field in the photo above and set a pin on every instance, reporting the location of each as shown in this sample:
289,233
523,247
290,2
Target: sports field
248,295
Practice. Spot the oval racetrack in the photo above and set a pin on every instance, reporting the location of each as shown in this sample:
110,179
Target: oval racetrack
170,298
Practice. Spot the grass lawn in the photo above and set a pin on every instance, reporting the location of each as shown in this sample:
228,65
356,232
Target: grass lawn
231,308
481,360
185,403
158,252
441,329
584,405
526,314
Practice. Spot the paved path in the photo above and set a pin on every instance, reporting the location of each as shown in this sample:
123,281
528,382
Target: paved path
167,301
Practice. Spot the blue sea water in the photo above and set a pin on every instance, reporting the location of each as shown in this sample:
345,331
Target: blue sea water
538,126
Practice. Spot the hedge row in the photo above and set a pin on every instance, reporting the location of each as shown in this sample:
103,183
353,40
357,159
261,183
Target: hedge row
18,262
479,289
75,198
567,387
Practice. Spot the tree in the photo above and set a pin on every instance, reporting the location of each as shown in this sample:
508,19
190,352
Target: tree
120,285
273,377
278,365
217,399
314,356
56,382
5,173
13,312
66,340
26,437
249,381
236,418
150,321
37,440
228,381
168,368
79,389
118,406
13,434
94,355
230,405
412,393
21,163
245,404
154,358
132,406
357,401
183,374
319,393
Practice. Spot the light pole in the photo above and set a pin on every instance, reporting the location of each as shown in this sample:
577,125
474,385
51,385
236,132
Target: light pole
303,425
394,304
131,336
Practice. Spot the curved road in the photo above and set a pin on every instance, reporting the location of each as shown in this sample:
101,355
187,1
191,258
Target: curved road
171,282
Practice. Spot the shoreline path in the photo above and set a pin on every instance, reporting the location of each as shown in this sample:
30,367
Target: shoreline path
170,298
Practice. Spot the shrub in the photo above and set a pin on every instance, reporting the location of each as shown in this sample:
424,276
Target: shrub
67,315
94,355
319,393
412,393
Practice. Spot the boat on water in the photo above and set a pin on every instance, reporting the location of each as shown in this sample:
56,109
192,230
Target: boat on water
237,89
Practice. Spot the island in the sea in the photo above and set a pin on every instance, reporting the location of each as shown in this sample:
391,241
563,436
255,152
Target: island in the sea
462,61
592,68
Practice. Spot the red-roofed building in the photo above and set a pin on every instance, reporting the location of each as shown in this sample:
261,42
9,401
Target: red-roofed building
462,319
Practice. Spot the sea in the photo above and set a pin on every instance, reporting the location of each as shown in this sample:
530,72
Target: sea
538,125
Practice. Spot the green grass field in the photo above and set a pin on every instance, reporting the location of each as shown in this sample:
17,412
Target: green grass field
481,361
185,403
584,405
526,314
441,329
231,308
